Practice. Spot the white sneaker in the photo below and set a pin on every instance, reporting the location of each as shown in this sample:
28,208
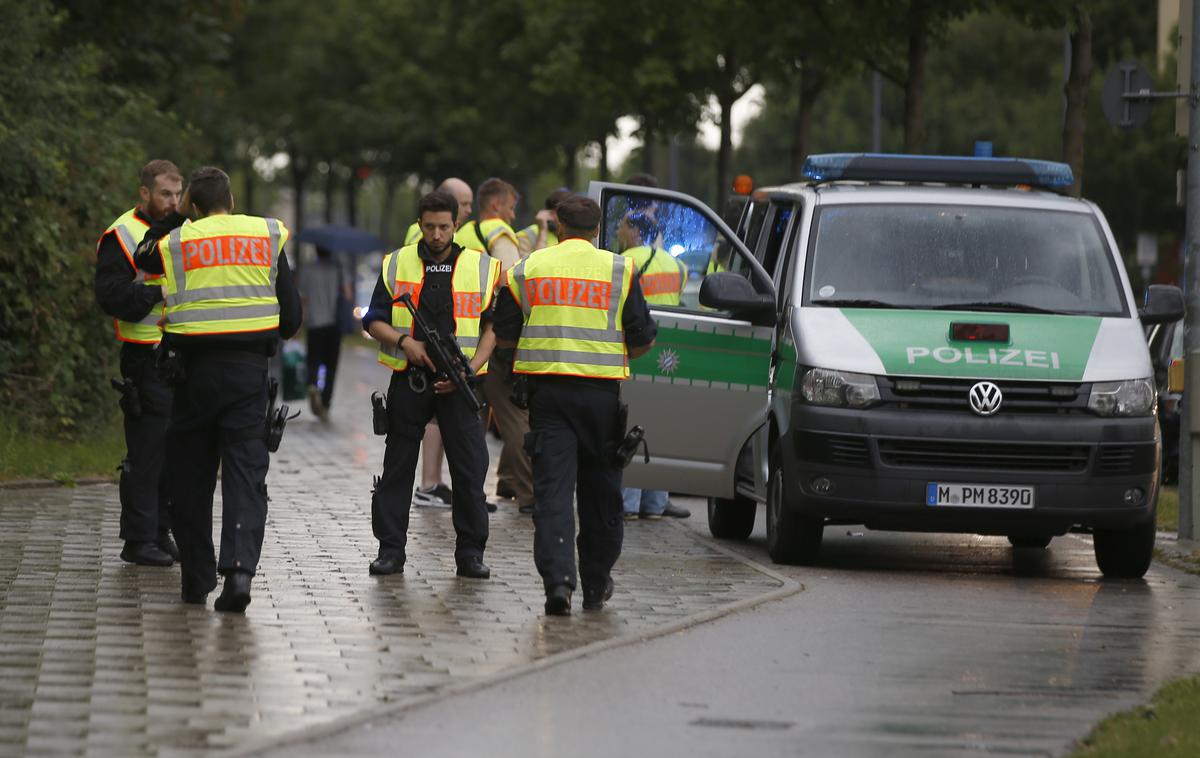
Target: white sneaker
437,496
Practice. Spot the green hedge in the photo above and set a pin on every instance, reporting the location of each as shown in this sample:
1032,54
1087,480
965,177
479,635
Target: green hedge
69,166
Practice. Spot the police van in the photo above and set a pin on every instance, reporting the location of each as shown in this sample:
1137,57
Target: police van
912,343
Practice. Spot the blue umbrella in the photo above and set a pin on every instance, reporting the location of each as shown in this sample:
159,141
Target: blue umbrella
339,238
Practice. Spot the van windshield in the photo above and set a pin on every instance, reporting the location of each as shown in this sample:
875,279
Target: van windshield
962,257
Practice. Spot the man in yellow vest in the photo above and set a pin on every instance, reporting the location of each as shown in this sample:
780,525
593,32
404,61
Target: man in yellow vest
543,232
433,492
230,296
576,316
514,476
134,300
452,288
662,277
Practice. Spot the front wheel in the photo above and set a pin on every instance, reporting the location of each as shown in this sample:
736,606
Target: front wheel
791,537
731,518
1125,553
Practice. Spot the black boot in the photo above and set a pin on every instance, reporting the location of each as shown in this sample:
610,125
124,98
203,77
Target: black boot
594,598
145,554
235,595
474,568
167,545
558,600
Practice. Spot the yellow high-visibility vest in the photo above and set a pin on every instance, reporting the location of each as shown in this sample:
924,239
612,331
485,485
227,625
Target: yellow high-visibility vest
220,275
465,237
472,285
529,236
573,298
662,274
129,230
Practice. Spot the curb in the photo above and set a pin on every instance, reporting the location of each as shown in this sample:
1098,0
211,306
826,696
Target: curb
380,712
33,484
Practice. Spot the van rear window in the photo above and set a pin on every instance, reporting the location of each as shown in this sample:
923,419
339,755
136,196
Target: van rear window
974,257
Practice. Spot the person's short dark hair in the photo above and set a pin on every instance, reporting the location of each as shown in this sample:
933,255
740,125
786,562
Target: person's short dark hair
493,189
645,225
643,180
556,197
209,190
157,168
578,216
438,201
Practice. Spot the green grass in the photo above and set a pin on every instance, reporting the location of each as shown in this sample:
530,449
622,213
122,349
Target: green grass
1167,726
1168,509
25,456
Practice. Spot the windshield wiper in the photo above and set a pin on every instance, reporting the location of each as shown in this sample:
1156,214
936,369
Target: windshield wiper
994,305
855,303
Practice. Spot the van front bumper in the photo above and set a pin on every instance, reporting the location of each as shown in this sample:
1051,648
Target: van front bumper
873,467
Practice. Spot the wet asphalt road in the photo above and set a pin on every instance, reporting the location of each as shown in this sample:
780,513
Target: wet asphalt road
900,644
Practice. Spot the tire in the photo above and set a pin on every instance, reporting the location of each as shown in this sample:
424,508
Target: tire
731,519
792,539
1125,553
1030,541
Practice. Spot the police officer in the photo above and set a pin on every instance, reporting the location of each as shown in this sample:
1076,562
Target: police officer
134,299
452,289
230,296
576,315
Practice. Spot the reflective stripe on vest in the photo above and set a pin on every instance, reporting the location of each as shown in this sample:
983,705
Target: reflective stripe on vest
129,230
573,297
221,273
662,275
494,228
530,234
472,285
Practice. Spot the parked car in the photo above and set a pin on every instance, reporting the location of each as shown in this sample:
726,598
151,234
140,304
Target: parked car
1166,348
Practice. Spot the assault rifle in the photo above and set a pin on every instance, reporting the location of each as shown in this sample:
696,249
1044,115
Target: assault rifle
446,355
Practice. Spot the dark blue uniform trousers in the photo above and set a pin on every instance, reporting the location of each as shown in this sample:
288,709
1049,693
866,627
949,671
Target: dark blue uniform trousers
145,502
573,425
466,454
218,418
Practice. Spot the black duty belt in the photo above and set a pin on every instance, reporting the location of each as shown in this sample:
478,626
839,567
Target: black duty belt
258,360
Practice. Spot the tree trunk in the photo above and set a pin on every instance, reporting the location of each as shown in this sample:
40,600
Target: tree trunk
248,180
725,151
812,81
389,199
299,170
352,185
570,166
330,188
604,158
914,86
1076,89
648,154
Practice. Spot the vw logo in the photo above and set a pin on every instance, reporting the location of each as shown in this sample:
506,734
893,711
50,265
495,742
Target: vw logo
985,398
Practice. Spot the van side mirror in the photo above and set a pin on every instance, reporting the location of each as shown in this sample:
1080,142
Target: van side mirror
1164,304
728,291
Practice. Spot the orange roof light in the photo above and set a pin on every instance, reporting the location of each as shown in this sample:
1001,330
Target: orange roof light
743,184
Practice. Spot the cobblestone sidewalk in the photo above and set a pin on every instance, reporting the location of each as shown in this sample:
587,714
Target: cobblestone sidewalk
100,657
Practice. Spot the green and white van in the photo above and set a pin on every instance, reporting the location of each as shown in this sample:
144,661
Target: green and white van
904,342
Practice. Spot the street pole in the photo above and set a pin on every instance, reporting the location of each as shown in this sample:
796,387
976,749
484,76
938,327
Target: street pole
1189,504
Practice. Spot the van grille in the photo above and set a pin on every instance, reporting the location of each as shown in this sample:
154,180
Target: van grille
839,449
1064,398
962,454
1114,460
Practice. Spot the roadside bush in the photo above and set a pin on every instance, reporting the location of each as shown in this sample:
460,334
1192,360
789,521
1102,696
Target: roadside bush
68,166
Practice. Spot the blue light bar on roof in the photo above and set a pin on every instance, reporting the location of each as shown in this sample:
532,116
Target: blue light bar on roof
949,169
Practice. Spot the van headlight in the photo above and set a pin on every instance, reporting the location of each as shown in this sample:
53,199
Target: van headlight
822,386
1133,397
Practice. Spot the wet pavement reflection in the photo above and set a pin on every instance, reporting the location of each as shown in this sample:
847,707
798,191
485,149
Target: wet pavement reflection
98,656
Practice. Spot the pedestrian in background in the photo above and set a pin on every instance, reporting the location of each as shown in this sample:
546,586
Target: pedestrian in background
134,299
321,284
576,316
452,288
230,296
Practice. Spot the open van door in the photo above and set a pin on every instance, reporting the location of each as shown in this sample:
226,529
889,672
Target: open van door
701,392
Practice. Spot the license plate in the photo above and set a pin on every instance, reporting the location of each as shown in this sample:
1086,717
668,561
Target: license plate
979,495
